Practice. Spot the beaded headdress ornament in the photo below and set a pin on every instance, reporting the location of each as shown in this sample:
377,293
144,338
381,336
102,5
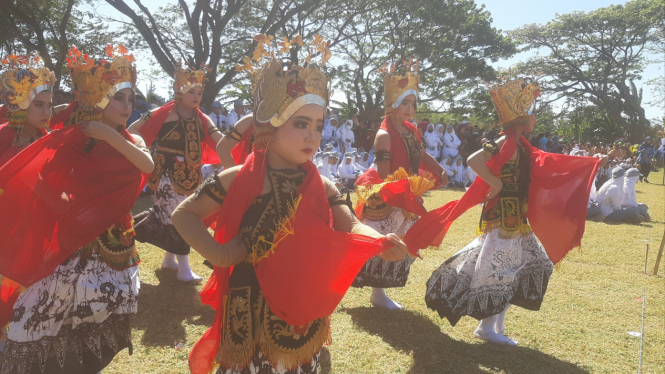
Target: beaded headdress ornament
97,81
23,78
187,77
281,87
514,99
399,83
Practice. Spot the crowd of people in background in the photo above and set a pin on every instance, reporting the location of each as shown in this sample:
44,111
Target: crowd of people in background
347,146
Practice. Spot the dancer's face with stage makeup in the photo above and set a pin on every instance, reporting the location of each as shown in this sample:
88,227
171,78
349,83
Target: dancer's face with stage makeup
406,109
119,109
39,111
192,98
297,139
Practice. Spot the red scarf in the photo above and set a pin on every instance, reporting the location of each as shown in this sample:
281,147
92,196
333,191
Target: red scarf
398,194
43,230
316,276
558,196
151,128
7,136
244,147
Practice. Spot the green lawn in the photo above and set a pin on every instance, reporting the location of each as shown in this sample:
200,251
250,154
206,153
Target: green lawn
582,327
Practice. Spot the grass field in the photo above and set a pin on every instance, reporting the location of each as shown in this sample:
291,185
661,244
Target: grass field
592,302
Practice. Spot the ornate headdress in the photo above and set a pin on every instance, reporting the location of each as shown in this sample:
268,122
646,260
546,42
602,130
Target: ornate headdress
187,77
399,83
280,87
514,99
97,81
23,78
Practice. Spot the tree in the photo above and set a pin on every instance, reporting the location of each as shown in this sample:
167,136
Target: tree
50,27
452,40
211,32
597,55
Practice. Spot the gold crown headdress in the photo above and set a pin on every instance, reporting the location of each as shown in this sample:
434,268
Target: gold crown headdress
187,77
23,78
398,85
514,99
280,87
96,81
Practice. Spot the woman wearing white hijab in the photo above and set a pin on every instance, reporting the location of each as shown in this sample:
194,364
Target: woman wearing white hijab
326,134
447,164
347,137
458,171
440,131
451,143
609,202
629,199
348,171
431,141
364,160
356,162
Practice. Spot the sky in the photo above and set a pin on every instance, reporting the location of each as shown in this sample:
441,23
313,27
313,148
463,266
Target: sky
506,15
511,14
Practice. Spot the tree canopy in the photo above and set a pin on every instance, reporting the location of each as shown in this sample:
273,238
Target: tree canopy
595,56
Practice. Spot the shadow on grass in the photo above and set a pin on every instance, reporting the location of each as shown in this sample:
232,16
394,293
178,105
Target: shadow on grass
163,309
436,352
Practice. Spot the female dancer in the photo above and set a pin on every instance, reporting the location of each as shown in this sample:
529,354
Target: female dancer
184,138
26,96
273,218
397,146
506,265
71,192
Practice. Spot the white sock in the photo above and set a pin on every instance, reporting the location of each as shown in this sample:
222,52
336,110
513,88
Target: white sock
500,326
185,273
169,261
485,331
380,299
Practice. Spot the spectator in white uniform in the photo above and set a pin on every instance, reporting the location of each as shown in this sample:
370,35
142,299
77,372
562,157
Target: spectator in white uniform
629,199
237,113
451,142
218,118
431,140
609,202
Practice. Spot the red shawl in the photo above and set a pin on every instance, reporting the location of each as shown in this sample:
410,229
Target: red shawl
398,195
151,128
316,276
558,196
244,147
42,229
7,136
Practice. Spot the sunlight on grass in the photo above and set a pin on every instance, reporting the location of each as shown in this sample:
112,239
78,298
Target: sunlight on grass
582,327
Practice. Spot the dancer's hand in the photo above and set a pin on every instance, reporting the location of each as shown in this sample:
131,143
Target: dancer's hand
495,188
99,131
236,249
397,252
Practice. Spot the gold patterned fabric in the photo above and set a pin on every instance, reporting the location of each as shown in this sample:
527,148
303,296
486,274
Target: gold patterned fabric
249,323
183,139
509,213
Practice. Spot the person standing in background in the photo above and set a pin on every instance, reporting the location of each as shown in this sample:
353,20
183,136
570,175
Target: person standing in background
218,118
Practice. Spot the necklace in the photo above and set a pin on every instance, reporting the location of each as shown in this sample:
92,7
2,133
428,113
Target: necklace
179,115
